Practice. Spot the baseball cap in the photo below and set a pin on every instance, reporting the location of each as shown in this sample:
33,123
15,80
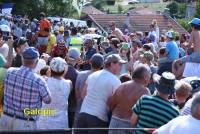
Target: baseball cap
21,41
30,53
61,29
5,28
97,59
195,21
125,46
58,65
114,58
169,34
149,55
195,86
74,53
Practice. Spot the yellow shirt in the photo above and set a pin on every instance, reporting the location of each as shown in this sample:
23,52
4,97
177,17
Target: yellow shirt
51,42
2,76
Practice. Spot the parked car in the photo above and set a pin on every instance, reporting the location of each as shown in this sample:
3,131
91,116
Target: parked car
133,1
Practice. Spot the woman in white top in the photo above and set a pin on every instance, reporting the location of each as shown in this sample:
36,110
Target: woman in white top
60,90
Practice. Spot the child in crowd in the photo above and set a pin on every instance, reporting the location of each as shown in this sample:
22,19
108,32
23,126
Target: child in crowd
183,91
194,43
45,72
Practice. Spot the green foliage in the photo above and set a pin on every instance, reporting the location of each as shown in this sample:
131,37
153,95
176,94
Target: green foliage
98,3
197,14
173,8
184,24
120,8
182,8
32,8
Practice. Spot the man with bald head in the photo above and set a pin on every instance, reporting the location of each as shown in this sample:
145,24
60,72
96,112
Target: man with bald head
121,105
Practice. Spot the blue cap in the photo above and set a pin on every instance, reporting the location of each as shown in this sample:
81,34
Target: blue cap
30,53
195,21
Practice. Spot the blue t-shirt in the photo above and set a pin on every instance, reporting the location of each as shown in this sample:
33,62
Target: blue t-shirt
172,50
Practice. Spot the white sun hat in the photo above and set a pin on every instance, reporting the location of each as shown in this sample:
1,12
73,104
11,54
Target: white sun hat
58,65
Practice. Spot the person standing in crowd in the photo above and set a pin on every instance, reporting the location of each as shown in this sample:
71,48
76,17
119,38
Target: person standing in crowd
184,124
89,52
116,31
121,105
155,111
99,87
75,41
2,76
96,62
195,89
19,45
60,88
172,53
28,90
73,58
183,91
45,29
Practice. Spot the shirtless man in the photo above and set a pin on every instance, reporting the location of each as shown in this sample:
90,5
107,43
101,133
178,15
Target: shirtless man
126,96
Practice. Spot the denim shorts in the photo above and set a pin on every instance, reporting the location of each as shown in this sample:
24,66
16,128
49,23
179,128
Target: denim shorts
194,57
120,123
42,41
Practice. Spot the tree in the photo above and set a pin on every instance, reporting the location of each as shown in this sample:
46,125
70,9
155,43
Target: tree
173,8
197,14
98,3
120,8
32,8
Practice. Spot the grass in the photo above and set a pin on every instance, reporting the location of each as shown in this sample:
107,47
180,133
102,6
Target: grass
154,6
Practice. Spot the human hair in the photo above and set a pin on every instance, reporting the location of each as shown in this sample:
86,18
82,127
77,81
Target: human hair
56,74
140,71
29,62
74,31
162,51
125,77
183,89
44,70
195,105
196,27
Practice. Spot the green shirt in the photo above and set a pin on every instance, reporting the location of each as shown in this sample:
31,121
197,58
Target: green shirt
153,112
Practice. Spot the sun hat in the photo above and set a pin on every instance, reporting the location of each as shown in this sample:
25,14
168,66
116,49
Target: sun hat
165,83
58,65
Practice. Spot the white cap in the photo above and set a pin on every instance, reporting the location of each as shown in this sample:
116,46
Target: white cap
169,34
58,65
5,28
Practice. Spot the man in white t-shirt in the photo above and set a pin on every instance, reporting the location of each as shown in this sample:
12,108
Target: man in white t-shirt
100,86
184,124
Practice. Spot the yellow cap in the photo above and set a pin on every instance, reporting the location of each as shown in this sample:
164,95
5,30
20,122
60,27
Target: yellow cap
61,29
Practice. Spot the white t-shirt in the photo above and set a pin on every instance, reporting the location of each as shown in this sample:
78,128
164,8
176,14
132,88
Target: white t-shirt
100,86
60,90
181,125
4,50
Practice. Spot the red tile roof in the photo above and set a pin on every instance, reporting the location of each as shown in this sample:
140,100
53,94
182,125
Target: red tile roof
139,22
91,10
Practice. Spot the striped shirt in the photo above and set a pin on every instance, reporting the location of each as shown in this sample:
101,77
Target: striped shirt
23,89
153,112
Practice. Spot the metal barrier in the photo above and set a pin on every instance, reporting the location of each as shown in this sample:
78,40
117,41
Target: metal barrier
78,130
